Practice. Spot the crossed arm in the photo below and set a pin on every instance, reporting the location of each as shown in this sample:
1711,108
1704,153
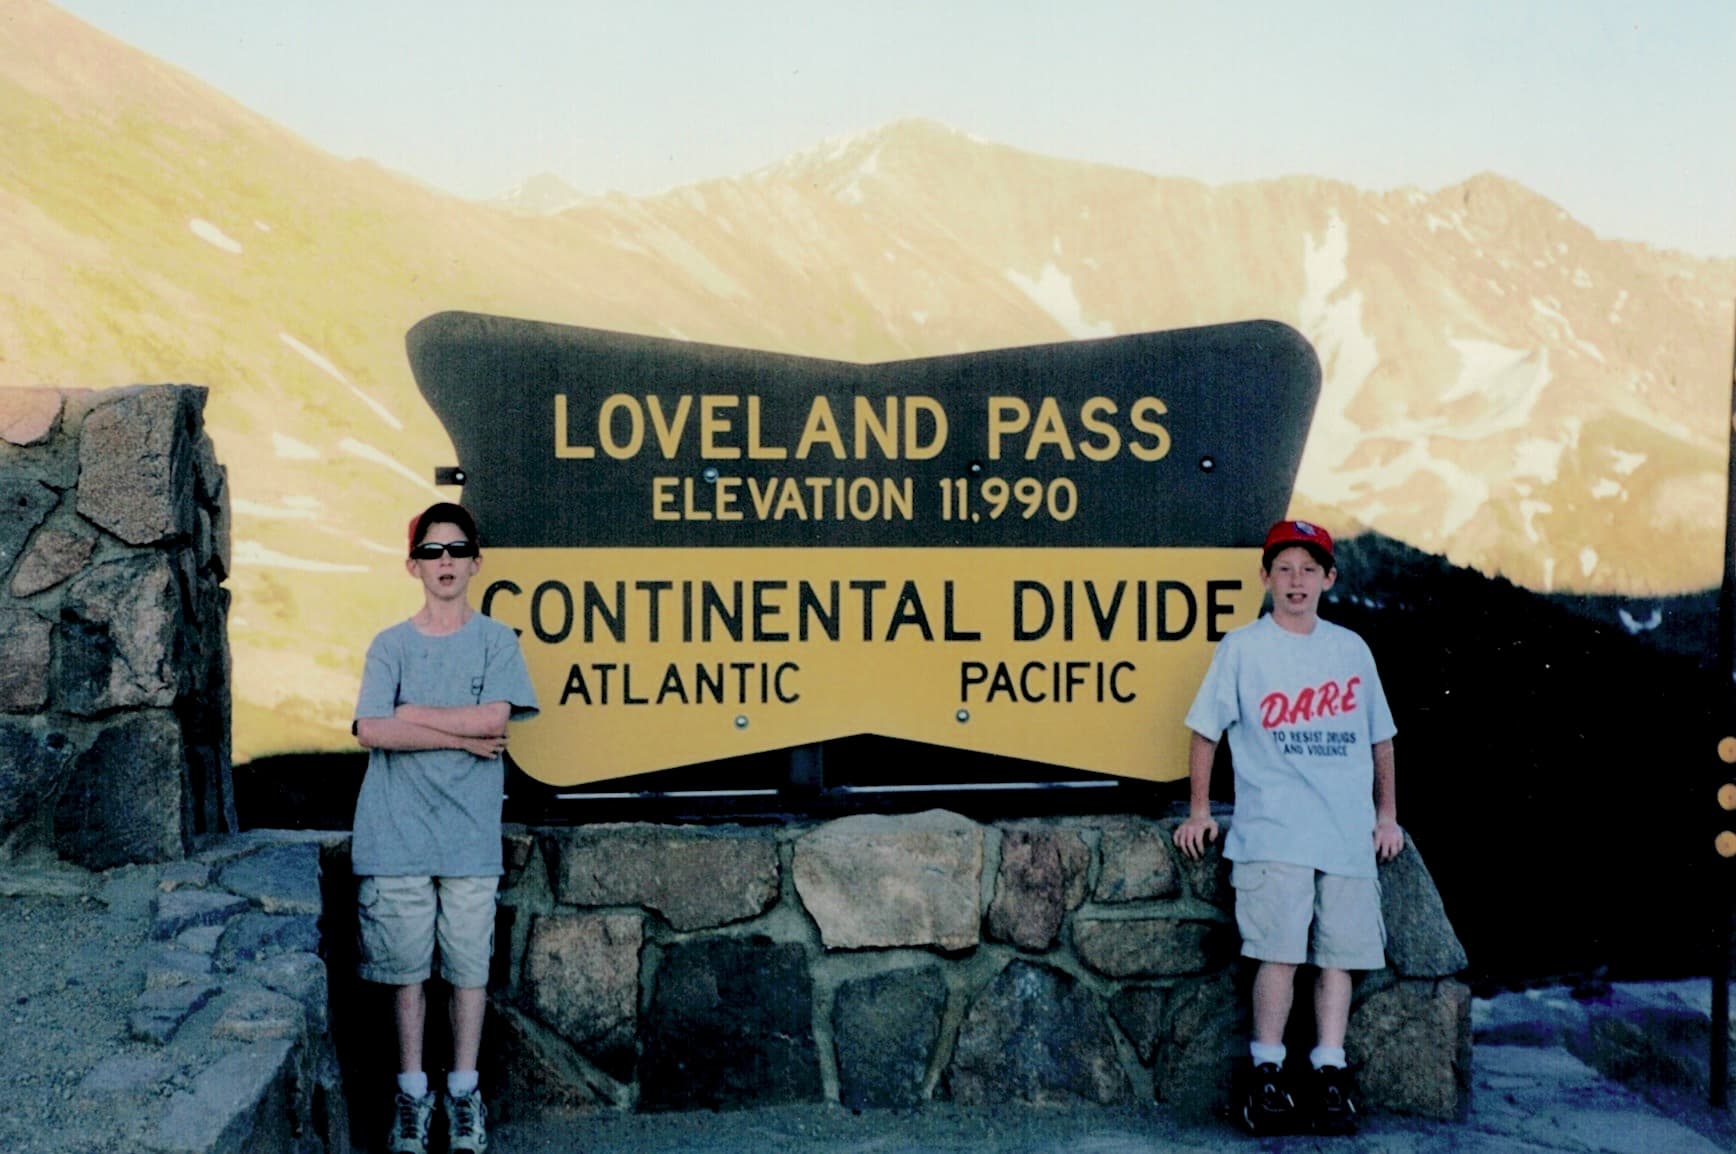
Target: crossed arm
479,730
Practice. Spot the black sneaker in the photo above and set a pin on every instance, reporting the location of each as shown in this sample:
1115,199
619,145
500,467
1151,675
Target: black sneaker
1330,1103
1268,1107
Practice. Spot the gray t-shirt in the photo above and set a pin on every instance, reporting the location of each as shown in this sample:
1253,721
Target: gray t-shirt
1303,712
436,812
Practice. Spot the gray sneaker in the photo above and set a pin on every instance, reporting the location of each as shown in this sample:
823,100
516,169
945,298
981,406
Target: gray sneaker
466,1123
410,1118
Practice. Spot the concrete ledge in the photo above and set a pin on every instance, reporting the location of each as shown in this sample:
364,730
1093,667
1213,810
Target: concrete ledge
222,1051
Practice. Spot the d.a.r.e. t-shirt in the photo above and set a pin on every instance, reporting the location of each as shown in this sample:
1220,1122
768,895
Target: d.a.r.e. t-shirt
1302,712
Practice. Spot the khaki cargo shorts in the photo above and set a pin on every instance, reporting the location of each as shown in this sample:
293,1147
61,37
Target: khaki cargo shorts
1294,914
402,919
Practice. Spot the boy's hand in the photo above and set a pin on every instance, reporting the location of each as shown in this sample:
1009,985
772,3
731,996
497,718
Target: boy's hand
1192,835
1388,840
487,747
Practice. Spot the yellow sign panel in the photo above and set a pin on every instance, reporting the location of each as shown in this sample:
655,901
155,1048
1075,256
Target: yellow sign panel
649,658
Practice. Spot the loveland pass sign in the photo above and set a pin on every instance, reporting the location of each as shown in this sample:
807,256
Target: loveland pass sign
711,551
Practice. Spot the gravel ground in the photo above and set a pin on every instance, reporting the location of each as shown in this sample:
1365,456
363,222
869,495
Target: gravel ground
71,967
69,973
938,1128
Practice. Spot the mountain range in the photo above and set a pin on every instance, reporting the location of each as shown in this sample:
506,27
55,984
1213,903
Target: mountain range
1503,388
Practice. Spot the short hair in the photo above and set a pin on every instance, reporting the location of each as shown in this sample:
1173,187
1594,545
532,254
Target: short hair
444,513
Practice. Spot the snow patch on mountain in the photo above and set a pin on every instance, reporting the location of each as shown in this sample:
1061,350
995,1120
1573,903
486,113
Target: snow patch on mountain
1052,291
1606,488
1333,324
379,457
1538,457
287,448
1549,311
1626,463
1507,381
319,362
1621,299
252,553
685,255
213,236
1528,512
851,192
1455,222
245,508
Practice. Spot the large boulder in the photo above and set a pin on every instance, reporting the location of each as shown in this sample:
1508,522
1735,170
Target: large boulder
59,549
528,1069
1420,942
24,504
695,878
581,977
730,1024
1208,879
1410,1044
875,881
1152,947
137,464
123,802
117,637
1139,1011
28,416
25,655
36,760
1136,863
1041,877
1035,1035
1207,1040
886,1029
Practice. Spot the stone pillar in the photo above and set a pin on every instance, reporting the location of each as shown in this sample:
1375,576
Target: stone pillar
114,667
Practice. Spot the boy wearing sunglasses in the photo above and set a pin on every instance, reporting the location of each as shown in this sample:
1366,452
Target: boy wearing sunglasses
437,693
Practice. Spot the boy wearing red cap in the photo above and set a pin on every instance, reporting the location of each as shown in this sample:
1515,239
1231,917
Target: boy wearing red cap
437,693
1311,740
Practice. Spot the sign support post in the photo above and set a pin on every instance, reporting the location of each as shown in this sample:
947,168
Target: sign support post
1726,839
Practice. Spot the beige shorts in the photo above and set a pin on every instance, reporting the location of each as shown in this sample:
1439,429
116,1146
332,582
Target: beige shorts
1294,914
403,918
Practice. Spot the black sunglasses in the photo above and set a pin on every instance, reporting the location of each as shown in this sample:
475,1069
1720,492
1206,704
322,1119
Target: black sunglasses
431,550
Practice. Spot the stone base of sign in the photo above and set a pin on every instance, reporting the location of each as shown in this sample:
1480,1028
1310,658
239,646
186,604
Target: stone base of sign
881,962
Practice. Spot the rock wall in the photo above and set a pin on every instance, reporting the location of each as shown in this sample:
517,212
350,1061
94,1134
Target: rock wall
882,961
114,665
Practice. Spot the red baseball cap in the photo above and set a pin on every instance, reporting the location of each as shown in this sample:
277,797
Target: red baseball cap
1305,533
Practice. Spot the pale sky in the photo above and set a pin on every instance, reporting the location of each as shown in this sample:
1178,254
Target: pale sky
1624,113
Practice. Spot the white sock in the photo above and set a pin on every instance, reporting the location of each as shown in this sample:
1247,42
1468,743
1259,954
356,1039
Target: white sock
1326,1056
414,1085
460,1082
1267,1055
